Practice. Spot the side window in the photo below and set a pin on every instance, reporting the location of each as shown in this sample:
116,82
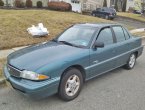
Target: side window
105,36
98,9
119,33
102,9
126,33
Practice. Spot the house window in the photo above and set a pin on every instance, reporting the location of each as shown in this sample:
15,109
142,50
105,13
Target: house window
75,1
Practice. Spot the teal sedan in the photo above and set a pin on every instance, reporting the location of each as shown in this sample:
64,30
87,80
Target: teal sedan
62,65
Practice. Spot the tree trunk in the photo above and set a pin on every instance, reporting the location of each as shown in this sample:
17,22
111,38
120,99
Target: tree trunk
124,5
116,5
105,3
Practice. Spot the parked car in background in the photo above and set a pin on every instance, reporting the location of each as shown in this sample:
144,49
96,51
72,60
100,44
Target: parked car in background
105,12
62,65
137,12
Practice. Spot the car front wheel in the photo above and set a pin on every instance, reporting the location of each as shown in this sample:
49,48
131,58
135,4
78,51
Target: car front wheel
131,62
71,84
94,14
107,17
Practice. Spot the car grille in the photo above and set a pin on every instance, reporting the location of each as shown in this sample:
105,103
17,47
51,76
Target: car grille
14,71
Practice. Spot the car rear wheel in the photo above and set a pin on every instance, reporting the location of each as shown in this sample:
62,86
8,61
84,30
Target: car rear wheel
71,84
131,62
106,17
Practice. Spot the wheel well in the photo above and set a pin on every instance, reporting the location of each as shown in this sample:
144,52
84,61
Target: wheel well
136,53
80,68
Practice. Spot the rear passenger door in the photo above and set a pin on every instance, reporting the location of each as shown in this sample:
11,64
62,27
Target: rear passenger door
122,45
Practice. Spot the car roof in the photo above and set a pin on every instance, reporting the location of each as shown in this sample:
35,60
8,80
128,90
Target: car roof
96,25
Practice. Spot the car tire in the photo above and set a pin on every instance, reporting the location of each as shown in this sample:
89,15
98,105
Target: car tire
111,18
107,17
131,62
94,14
71,84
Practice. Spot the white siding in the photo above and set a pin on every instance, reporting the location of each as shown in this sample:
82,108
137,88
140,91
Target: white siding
76,7
92,4
130,3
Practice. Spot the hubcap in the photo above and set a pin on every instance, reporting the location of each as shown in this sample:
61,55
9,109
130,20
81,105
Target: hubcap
72,85
132,60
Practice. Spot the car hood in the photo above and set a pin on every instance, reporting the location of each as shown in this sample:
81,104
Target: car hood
34,57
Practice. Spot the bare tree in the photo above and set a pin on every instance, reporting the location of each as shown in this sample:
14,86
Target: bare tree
116,5
105,3
124,3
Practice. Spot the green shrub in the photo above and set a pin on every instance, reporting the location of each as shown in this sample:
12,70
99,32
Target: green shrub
19,4
39,4
28,3
59,6
1,3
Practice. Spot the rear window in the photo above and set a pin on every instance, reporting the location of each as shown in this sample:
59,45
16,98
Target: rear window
112,10
109,10
119,33
127,36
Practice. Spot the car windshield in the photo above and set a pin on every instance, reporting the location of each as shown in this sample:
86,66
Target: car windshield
109,9
77,36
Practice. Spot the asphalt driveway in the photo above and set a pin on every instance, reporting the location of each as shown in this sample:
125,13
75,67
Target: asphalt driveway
119,89
128,22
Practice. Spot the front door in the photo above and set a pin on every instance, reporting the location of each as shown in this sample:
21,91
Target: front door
102,59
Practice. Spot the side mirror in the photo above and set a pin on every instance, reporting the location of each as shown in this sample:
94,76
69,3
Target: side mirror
98,45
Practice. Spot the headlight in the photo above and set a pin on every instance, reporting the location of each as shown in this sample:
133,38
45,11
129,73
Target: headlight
32,75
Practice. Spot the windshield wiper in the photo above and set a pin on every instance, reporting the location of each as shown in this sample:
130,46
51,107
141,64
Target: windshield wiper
54,40
67,43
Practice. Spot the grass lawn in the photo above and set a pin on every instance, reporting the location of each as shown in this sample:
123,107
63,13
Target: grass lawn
131,15
13,25
2,62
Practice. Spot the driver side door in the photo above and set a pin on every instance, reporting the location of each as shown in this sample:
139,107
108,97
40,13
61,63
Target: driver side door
103,59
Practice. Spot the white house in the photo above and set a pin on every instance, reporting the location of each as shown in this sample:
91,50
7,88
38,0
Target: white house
83,5
77,5
34,2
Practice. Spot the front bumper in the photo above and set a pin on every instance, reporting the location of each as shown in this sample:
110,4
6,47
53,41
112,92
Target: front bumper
112,16
33,89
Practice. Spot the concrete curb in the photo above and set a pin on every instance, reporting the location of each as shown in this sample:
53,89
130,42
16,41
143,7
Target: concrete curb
2,81
137,30
5,53
143,37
